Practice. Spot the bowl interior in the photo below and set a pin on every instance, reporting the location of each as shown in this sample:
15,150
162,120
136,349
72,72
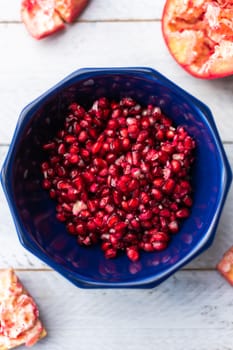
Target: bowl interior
35,212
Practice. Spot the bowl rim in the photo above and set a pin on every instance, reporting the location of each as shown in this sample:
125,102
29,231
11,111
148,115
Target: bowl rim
150,73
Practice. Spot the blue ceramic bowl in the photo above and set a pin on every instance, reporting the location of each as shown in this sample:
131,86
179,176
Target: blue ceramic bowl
34,212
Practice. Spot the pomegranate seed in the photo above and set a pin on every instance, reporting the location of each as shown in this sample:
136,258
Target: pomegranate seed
175,165
159,245
49,146
146,215
133,203
157,194
70,139
71,228
61,149
173,226
132,253
183,213
168,186
120,174
110,253
46,184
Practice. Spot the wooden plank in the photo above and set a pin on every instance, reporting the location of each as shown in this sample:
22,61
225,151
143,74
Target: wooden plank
94,45
14,255
100,10
191,310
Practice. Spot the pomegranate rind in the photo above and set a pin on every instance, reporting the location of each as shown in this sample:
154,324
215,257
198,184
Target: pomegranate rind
19,315
199,36
69,10
225,266
40,18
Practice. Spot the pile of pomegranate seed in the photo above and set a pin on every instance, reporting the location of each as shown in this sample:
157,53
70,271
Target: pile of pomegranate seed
120,174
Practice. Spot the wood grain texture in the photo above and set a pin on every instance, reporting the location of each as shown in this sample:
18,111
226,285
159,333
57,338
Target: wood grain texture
39,65
191,310
13,254
99,10
188,311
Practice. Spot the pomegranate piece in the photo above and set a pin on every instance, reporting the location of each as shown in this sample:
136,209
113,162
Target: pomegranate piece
40,18
130,198
69,10
19,314
199,35
225,265
45,17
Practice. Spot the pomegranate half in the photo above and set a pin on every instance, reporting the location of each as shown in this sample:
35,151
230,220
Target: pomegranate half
199,35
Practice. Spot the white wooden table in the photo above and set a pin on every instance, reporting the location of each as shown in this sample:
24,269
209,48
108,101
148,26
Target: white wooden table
194,308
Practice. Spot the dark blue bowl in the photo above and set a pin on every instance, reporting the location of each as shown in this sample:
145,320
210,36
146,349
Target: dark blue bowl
34,212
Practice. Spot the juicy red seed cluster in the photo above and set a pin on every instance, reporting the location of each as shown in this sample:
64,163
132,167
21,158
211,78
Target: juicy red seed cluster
120,174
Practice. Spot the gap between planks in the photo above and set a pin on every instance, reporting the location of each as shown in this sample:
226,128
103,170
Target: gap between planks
110,20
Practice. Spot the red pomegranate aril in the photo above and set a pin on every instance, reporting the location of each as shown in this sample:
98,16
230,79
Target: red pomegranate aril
72,194
52,193
78,183
94,187
125,143
70,139
156,194
132,253
61,149
133,185
170,134
158,236
61,171
104,201
120,226
113,170
83,136
71,228
74,158
117,197
145,123
116,113
168,186
144,198
175,165
54,160
109,208
147,247
112,220
135,224
120,174
88,176
143,135
46,184
183,213
130,238
146,215
49,146
62,185
44,166
133,203
173,226
133,130
93,205
159,245
61,217
105,246
84,214
110,253
165,213
187,200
